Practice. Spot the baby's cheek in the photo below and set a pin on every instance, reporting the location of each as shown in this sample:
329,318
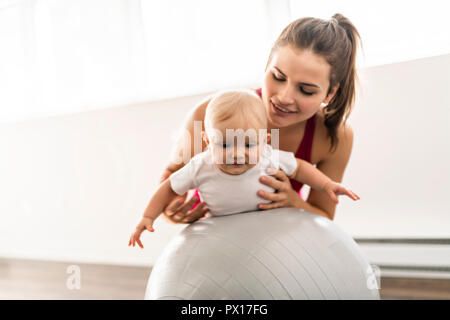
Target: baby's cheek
253,157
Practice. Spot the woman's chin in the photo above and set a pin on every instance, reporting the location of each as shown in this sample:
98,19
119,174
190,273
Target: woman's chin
278,122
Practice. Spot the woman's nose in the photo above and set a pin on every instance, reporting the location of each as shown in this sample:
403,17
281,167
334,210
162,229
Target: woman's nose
286,96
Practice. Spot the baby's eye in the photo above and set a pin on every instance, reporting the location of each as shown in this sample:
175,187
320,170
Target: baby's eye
249,145
225,145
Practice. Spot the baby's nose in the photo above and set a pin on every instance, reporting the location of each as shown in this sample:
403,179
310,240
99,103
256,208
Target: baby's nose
239,155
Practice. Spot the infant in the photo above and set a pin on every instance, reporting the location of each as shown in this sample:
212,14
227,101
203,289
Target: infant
238,154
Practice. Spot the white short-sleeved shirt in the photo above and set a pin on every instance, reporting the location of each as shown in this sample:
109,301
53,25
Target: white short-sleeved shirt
225,193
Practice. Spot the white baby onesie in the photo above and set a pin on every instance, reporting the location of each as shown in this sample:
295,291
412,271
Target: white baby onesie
227,194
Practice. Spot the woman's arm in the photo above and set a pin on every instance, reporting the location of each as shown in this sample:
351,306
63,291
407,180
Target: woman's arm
318,202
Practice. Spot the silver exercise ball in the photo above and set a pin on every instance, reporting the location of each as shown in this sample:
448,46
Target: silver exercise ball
277,254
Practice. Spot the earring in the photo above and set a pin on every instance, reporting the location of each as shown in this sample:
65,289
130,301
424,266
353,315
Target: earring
323,104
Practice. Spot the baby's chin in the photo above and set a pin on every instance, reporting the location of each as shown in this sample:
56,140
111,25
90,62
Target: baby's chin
235,169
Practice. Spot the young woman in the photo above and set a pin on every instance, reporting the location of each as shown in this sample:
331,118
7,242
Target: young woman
308,93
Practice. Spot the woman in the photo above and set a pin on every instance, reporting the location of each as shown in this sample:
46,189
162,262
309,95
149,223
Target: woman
308,92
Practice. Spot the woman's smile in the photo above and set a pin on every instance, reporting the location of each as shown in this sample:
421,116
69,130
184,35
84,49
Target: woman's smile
277,109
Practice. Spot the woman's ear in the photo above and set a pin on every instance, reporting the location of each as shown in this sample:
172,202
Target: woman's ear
205,137
331,94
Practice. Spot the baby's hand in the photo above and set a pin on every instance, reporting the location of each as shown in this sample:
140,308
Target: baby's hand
333,189
146,223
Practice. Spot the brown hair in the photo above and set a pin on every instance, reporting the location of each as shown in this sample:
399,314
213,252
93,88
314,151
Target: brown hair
337,41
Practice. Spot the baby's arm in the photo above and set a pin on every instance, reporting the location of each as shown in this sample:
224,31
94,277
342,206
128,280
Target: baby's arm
308,174
158,202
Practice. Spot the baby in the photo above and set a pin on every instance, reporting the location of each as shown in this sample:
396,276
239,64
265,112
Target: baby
227,173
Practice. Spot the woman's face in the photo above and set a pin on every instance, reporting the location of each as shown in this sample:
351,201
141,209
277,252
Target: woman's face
295,83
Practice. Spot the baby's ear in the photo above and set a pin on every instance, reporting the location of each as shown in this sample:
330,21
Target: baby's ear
205,137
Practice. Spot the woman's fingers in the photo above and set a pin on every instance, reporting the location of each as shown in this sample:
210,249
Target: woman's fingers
271,182
188,205
183,210
174,206
271,196
268,206
279,174
195,214
180,212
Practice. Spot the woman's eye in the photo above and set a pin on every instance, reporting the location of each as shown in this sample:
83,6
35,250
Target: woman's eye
277,78
306,92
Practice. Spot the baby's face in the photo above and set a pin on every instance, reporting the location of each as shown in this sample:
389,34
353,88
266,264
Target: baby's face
238,151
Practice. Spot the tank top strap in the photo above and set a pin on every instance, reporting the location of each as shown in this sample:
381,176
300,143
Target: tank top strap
304,150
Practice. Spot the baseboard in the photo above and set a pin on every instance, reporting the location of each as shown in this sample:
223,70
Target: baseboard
414,258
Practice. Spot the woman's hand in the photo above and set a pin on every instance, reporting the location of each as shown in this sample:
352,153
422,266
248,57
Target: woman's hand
333,190
179,211
284,195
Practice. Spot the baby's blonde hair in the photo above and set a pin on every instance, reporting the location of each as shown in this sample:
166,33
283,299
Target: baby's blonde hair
242,103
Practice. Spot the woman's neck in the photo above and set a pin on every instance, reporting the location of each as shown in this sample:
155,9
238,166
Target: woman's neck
296,127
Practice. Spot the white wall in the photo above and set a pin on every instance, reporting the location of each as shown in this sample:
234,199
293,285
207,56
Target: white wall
73,187
401,152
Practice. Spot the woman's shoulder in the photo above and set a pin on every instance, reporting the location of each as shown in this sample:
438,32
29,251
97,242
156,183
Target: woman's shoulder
198,112
344,135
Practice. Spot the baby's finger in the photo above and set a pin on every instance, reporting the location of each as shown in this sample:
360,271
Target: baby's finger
150,228
348,193
130,242
354,195
140,243
333,196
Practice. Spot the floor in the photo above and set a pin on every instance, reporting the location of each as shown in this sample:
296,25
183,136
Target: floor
30,279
